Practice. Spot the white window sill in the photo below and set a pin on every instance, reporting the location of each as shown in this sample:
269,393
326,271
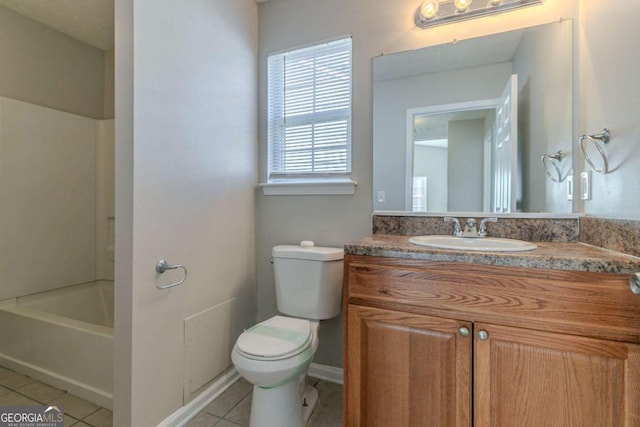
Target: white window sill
301,188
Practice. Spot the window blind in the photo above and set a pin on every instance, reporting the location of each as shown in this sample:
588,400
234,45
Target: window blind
309,113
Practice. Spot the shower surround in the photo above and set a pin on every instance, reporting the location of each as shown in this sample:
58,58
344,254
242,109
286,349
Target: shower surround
56,247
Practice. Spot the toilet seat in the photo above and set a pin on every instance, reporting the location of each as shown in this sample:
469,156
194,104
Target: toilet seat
276,338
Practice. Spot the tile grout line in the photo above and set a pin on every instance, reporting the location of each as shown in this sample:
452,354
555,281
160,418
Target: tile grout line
88,415
229,421
230,409
63,392
320,416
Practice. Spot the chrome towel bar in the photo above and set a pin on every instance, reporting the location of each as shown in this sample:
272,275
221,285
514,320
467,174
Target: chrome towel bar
162,266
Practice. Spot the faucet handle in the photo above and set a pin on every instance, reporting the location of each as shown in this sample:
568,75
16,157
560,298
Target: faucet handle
482,231
457,230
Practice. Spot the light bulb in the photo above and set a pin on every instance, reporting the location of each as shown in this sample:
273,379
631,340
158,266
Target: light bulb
462,5
429,9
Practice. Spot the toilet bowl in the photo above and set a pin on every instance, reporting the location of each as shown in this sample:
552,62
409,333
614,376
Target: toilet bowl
275,356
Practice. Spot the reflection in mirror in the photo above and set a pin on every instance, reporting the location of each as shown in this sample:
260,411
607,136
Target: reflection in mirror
513,89
467,154
553,166
445,147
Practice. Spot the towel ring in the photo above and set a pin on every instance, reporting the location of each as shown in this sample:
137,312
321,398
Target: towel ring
550,163
603,137
162,266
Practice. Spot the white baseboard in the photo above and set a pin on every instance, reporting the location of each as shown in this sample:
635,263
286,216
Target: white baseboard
182,416
326,373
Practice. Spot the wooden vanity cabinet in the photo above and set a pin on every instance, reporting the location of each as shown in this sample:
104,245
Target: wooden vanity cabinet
535,378
389,382
446,344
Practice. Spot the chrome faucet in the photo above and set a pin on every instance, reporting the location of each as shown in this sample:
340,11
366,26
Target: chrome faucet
457,231
470,226
482,231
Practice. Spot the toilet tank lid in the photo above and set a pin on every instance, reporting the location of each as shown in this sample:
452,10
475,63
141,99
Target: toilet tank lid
315,253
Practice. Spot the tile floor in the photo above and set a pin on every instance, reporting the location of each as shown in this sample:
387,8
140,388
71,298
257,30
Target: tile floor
230,409
20,390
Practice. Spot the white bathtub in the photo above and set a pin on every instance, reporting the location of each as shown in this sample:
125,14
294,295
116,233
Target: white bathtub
63,337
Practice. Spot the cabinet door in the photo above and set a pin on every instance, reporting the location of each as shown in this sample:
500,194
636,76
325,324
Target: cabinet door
406,369
532,378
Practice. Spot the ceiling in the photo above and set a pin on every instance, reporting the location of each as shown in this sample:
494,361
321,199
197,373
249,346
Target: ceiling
485,50
90,21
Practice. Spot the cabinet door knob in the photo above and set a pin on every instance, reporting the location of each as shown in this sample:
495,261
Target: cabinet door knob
463,331
483,335
634,282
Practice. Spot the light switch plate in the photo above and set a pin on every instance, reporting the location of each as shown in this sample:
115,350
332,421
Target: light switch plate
585,185
570,187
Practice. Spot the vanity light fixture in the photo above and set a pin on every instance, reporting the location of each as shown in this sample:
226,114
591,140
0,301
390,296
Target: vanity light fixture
438,12
461,5
429,9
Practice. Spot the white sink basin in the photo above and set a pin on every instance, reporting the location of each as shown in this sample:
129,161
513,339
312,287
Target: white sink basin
485,244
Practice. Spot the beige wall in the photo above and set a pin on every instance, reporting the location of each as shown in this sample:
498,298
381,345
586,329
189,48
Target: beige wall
544,74
109,85
608,97
44,67
465,165
185,175
105,199
376,27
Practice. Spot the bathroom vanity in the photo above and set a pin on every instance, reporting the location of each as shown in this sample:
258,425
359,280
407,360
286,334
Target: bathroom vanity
549,337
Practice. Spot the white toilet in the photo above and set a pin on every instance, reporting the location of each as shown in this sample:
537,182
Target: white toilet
275,355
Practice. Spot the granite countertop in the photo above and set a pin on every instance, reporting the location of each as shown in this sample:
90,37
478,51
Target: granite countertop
549,255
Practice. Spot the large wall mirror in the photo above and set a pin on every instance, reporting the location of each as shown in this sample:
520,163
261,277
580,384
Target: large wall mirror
463,127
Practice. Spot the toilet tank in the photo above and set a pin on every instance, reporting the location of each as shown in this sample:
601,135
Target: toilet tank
308,280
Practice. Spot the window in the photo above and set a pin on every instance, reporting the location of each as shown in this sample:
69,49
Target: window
419,194
309,116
